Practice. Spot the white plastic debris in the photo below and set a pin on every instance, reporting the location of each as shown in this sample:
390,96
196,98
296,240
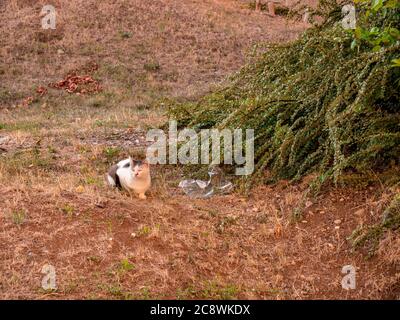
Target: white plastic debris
217,184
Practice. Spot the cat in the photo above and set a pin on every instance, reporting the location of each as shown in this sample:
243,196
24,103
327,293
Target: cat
130,175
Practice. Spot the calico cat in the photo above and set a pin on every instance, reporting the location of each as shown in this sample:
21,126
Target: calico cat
130,175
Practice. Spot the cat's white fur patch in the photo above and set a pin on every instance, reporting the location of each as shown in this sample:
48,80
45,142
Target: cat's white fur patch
128,180
123,162
111,181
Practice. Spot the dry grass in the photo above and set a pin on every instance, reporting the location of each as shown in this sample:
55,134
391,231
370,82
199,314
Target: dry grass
229,247
136,43
56,209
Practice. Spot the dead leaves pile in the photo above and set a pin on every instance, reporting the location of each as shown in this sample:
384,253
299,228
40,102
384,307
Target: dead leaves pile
78,81
79,84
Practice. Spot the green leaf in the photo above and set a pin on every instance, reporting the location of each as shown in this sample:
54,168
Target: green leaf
377,4
391,4
396,63
376,48
358,33
394,32
353,44
374,30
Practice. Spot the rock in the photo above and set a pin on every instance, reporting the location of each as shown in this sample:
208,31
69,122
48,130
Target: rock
3,140
101,204
338,221
60,51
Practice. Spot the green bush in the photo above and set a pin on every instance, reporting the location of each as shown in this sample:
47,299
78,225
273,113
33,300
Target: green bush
316,105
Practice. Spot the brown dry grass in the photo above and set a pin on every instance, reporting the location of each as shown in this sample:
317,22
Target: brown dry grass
129,39
55,207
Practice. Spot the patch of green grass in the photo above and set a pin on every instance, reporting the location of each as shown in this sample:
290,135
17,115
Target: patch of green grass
18,217
144,231
93,181
84,149
99,123
68,209
152,66
125,265
186,293
51,149
209,290
215,291
111,153
125,34
145,294
116,290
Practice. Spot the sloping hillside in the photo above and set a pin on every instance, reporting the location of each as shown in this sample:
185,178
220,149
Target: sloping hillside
55,147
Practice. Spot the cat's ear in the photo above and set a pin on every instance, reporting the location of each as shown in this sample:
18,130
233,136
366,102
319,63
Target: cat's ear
131,162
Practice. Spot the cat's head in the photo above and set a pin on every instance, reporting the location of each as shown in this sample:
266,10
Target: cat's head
140,168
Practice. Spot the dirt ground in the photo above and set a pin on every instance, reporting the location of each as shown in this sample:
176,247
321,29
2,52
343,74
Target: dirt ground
55,147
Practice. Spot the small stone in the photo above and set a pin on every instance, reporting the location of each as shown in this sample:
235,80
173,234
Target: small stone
308,204
60,51
304,221
337,227
100,204
133,234
341,199
338,221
